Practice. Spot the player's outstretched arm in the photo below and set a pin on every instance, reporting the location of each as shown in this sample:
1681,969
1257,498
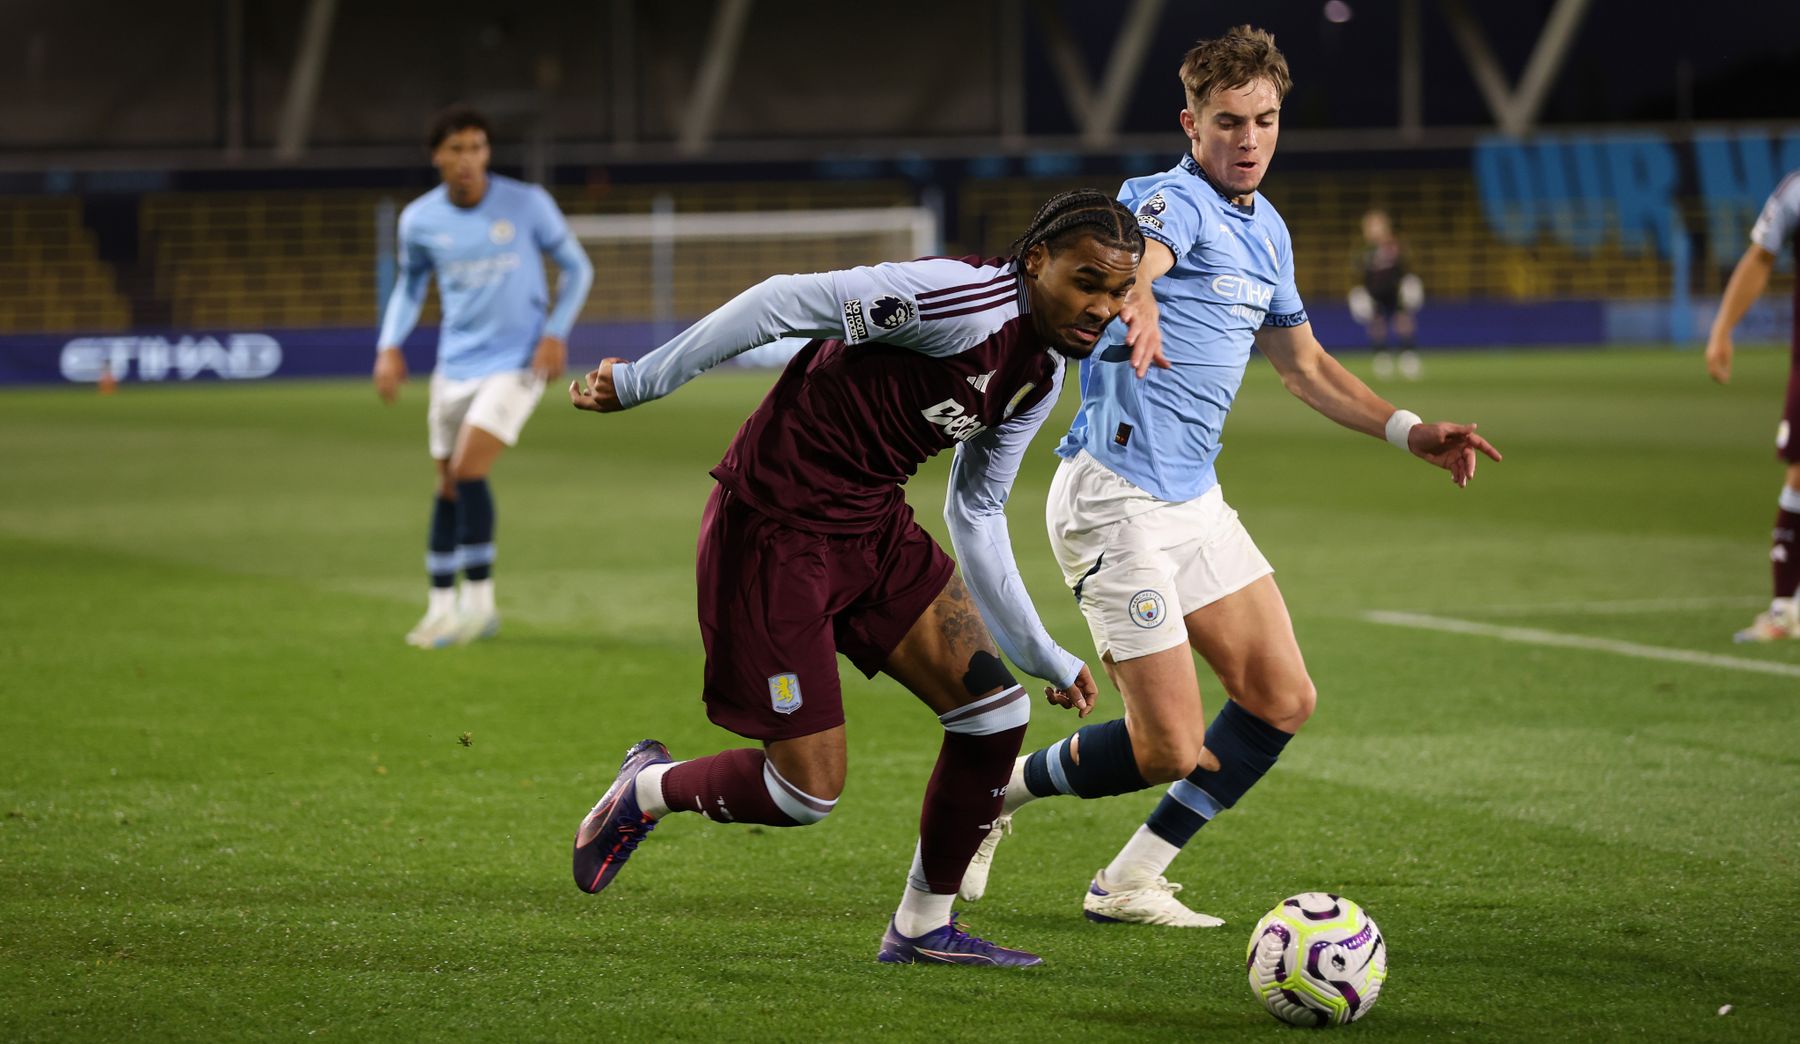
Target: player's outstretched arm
780,306
1748,280
1321,382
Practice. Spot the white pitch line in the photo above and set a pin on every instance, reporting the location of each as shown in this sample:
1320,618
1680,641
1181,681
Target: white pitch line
1532,636
1626,606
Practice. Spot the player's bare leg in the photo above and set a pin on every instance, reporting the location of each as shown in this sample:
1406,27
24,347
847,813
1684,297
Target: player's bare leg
1248,641
1782,621
476,451
1247,638
950,663
817,764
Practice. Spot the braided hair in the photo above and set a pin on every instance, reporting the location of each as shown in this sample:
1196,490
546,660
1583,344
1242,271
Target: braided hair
1083,211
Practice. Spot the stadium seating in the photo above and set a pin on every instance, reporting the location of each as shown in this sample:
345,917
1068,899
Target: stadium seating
294,259
51,275
251,260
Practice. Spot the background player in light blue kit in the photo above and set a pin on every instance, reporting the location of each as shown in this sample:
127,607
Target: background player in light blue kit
1156,558
481,234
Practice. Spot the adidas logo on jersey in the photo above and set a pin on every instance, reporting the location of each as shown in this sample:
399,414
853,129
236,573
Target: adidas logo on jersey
980,383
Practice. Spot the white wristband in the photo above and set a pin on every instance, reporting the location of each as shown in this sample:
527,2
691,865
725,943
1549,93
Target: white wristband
1399,425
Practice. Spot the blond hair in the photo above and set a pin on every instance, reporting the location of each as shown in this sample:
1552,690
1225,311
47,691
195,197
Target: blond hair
1239,57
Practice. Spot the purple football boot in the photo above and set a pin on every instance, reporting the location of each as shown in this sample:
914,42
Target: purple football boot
949,945
613,829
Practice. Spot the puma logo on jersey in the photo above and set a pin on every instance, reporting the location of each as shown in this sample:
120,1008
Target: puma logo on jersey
957,422
980,383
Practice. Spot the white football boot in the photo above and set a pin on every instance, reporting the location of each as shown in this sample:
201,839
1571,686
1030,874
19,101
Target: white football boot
1153,903
431,629
1781,621
975,878
470,627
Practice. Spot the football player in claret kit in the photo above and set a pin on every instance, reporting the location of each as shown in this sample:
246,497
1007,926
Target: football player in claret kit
808,548
1773,232
481,234
1158,561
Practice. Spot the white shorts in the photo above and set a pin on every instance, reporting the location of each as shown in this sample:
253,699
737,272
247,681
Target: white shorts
1137,564
498,404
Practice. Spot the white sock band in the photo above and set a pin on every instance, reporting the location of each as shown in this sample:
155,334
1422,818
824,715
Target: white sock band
1006,709
1789,499
800,806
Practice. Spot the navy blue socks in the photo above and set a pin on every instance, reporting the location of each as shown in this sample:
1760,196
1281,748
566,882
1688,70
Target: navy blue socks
1107,766
440,554
475,528
1245,746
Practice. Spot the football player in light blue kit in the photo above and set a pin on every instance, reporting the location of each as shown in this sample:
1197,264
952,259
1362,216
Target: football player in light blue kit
481,235
1156,558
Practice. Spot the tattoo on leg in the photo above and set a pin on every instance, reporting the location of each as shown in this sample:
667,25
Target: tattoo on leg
961,624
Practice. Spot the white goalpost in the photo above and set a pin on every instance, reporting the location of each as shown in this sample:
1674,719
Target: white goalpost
667,268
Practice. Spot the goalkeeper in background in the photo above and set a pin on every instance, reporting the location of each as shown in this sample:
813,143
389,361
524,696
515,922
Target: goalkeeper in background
1386,297
481,234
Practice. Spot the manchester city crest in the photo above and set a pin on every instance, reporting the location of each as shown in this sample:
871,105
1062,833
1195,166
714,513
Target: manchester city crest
501,232
1147,609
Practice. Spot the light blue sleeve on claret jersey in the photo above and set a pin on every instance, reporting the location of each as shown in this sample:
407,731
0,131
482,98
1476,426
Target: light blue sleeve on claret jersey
981,478
576,272
1774,227
779,306
408,296
935,306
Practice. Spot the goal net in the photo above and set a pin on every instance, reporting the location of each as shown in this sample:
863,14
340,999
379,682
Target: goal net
666,269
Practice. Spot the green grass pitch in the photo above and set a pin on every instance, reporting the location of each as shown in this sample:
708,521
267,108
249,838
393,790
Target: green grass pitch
234,805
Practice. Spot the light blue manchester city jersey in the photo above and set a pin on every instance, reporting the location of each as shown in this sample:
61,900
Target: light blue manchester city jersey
490,275
1233,274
